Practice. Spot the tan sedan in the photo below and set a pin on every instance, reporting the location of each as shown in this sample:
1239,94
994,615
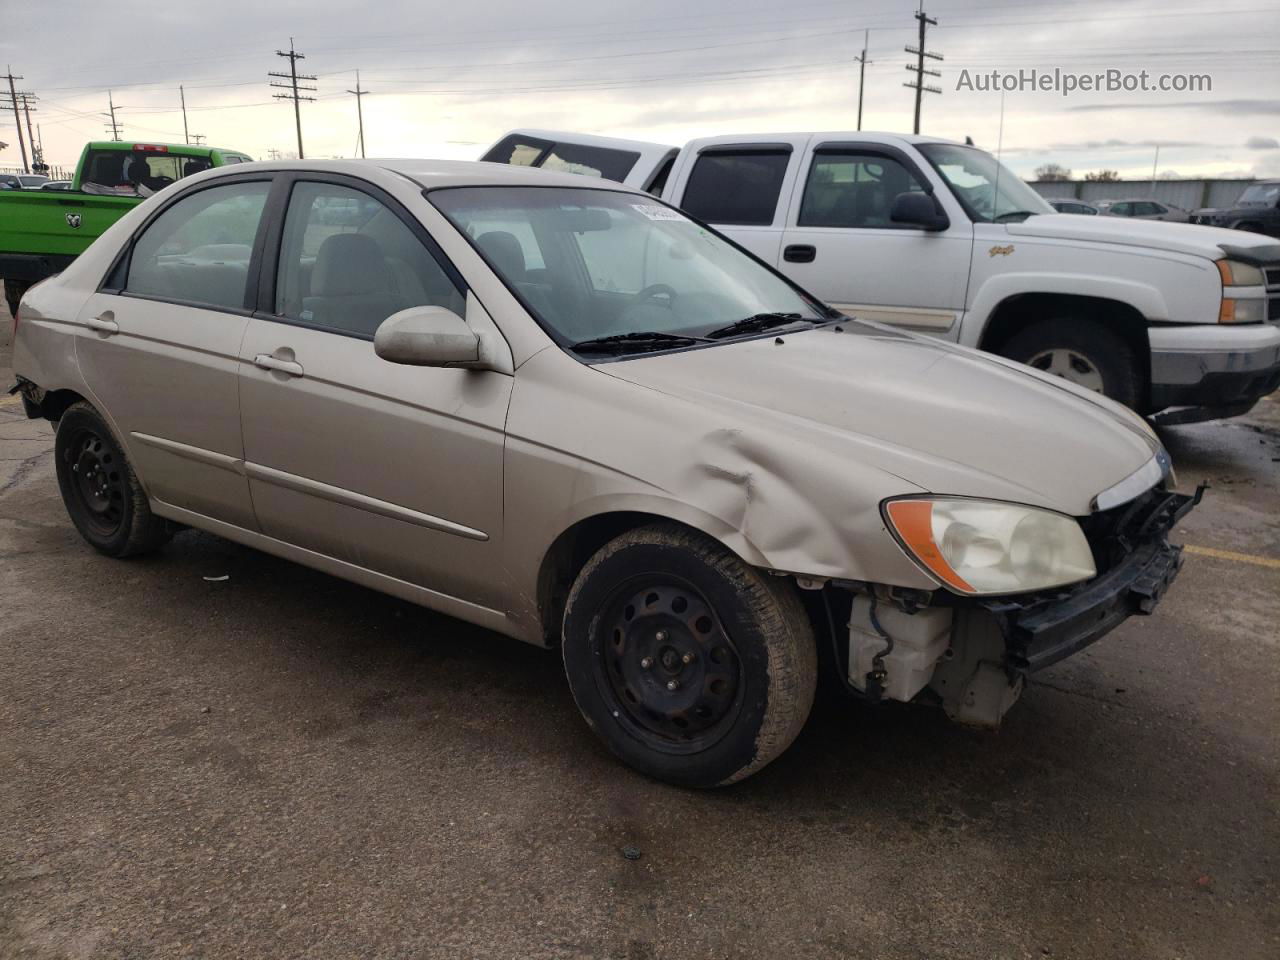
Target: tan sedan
562,410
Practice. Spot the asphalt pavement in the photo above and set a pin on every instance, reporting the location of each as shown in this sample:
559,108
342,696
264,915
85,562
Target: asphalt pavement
210,752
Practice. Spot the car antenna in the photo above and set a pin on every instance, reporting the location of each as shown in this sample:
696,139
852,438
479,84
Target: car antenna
995,190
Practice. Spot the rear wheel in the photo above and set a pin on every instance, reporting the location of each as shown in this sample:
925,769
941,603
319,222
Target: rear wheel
99,488
1082,352
690,665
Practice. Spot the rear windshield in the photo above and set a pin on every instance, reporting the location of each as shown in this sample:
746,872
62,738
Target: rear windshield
525,151
136,173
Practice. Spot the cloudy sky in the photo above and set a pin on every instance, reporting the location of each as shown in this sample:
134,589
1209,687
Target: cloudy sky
447,79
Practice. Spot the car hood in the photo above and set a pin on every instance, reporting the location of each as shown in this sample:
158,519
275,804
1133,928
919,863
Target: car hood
945,419
1194,239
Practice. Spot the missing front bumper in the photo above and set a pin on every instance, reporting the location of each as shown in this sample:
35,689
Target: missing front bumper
1040,631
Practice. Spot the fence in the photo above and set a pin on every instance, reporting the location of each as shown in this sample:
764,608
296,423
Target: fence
1187,194
53,173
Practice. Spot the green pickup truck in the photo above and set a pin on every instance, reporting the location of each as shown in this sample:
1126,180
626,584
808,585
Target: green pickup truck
43,231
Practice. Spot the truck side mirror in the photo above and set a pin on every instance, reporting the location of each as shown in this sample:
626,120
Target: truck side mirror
919,210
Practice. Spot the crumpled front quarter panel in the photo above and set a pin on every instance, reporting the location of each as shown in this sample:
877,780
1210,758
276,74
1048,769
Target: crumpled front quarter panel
581,442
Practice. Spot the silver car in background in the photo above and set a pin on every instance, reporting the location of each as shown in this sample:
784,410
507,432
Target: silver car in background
1143,210
563,410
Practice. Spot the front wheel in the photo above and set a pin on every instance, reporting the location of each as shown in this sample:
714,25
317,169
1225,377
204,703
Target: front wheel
690,665
99,488
1080,351
13,291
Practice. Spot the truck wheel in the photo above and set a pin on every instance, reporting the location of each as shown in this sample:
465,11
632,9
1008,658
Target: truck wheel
690,665
1081,351
13,291
101,492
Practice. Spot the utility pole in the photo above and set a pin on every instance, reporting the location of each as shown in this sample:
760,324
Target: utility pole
17,121
918,84
199,139
112,125
273,154
293,77
1155,165
862,73
37,160
186,137
359,95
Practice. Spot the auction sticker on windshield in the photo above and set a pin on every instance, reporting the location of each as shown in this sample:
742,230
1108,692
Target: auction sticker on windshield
655,211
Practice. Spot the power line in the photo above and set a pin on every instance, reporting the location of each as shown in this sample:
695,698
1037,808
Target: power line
292,86
918,84
359,95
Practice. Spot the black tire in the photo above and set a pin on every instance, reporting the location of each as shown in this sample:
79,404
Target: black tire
736,642
99,488
13,291
1096,356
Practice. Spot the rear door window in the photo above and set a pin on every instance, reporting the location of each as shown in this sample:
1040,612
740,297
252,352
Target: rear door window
739,188
198,250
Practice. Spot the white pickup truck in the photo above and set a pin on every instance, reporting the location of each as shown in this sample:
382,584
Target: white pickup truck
1176,320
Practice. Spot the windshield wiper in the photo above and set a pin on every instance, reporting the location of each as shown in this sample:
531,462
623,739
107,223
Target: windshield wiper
1014,213
757,322
636,342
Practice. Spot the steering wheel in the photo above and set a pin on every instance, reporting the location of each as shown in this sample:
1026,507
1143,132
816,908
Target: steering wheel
655,290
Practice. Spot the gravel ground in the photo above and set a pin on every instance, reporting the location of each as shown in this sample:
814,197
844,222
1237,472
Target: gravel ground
284,765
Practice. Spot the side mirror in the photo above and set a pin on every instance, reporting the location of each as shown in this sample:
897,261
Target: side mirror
919,210
428,337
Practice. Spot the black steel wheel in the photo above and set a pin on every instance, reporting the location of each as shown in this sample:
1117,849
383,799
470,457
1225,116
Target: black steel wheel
97,481
99,488
666,665
692,666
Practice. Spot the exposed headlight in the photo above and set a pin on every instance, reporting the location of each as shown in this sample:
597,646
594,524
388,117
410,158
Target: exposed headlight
1237,274
983,547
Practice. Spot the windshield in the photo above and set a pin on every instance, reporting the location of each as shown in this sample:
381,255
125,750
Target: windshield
593,263
1261,195
989,191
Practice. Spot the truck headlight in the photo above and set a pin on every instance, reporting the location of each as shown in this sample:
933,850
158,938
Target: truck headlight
986,547
1238,308
1237,274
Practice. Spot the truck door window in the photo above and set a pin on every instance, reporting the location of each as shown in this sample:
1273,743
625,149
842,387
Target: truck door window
854,190
198,249
736,187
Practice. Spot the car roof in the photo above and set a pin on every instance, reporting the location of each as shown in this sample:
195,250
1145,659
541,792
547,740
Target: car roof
433,174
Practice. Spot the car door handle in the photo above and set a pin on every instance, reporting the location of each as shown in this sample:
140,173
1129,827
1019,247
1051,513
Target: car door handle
103,324
800,253
268,362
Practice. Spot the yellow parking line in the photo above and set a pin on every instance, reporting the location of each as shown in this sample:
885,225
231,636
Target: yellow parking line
1232,555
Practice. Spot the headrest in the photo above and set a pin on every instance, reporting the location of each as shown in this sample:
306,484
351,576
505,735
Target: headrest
349,263
505,251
